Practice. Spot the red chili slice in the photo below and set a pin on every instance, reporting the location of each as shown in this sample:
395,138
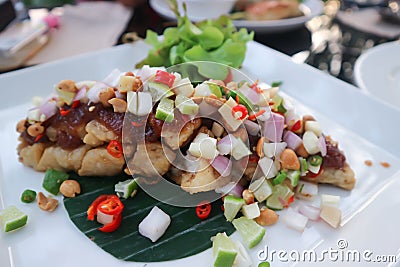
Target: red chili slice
239,112
92,210
112,226
76,104
38,137
111,206
64,112
313,175
114,148
296,126
203,210
164,77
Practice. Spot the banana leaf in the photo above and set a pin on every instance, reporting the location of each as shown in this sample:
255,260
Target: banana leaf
187,235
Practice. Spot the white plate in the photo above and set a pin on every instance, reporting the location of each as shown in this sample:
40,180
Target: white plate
363,133
377,72
310,8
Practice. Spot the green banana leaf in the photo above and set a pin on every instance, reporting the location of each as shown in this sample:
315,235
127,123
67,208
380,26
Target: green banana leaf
187,235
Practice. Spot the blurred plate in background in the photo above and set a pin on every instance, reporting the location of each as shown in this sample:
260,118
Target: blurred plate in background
377,72
311,9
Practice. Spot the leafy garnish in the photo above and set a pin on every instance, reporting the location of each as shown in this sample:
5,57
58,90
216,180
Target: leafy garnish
215,40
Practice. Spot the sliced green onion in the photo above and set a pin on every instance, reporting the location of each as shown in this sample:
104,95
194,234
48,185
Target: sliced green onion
315,160
28,196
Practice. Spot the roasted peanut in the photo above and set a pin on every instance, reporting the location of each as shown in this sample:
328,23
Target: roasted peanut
21,126
118,104
289,160
106,95
307,118
35,129
68,86
301,151
248,196
267,217
46,203
260,147
69,188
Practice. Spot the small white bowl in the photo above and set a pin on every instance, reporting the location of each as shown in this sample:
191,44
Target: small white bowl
206,9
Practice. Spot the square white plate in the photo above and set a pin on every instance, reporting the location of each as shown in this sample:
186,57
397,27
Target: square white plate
364,127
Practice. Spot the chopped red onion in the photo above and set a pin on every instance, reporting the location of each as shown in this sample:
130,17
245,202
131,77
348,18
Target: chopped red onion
295,220
104,218
310,212
206,109
273,127
93,93
113,78
222,165
48,109
231,188
225,145
81,93
250,94
322,145
252,127
292,140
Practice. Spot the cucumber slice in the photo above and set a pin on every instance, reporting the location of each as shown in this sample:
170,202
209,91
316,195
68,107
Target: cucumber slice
251,211
12,219
281,194
303,166
279,178
232,205
186,105
261,189
53,180
126,188
165,110
239,149
224,251
294,177
159,91
249,230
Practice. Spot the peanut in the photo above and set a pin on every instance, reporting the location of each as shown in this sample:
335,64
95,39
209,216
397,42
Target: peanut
260,147
68,86
267,217
289,160
248,196
301,151
70,188
118,104
46,203
106,95
35,129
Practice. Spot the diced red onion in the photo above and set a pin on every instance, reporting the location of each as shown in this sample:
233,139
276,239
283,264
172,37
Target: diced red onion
252,127
274,149
306,190
104,218
147,72
295,220
154,224
292,140
225,145
113,78
48,109
250,94
291,116
234,189
273,127
222,165
81,93
93,93
322,145
206,109
310,212
119,95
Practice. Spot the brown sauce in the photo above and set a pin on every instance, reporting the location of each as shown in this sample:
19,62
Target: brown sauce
334,157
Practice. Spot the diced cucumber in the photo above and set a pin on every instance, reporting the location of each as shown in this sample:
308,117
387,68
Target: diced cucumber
12,219
165,110
330,200
251,211
53,180
127,188
214,89
67,97
186,105
249,230
303,166
261,189
224,251
159,91
232,205
244,101
294,176
240,149
281,194
279,178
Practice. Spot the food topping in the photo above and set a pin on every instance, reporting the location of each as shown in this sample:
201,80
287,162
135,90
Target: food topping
154,224
28,196
203,210
46,203
70,188
108,209
11,218
53,180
